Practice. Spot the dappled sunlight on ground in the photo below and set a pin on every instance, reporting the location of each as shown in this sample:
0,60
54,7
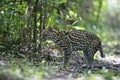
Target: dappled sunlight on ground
112,59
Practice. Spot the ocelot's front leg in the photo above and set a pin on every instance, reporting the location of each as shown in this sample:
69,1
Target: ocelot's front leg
67,55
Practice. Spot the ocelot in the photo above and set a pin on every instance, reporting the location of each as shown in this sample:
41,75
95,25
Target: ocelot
75,40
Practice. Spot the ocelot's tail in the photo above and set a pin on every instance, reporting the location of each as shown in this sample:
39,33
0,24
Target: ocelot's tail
101,51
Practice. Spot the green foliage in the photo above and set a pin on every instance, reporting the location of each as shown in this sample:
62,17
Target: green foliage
12,19
61,14
17,26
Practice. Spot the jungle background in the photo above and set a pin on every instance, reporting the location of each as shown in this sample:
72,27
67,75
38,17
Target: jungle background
23,56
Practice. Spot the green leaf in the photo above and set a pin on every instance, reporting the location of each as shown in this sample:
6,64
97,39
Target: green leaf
1,46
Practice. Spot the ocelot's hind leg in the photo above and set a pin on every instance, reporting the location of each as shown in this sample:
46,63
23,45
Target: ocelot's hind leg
89,55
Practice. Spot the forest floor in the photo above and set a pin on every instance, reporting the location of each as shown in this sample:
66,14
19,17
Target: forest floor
14,68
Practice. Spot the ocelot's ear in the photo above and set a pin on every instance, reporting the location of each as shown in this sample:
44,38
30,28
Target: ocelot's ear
65,32
50,29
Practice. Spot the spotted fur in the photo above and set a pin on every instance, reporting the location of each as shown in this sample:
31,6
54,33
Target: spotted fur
75,40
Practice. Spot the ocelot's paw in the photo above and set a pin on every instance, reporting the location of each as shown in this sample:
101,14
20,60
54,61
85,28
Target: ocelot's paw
86,66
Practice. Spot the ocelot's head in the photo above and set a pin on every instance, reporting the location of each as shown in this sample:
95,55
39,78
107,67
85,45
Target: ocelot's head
49,34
